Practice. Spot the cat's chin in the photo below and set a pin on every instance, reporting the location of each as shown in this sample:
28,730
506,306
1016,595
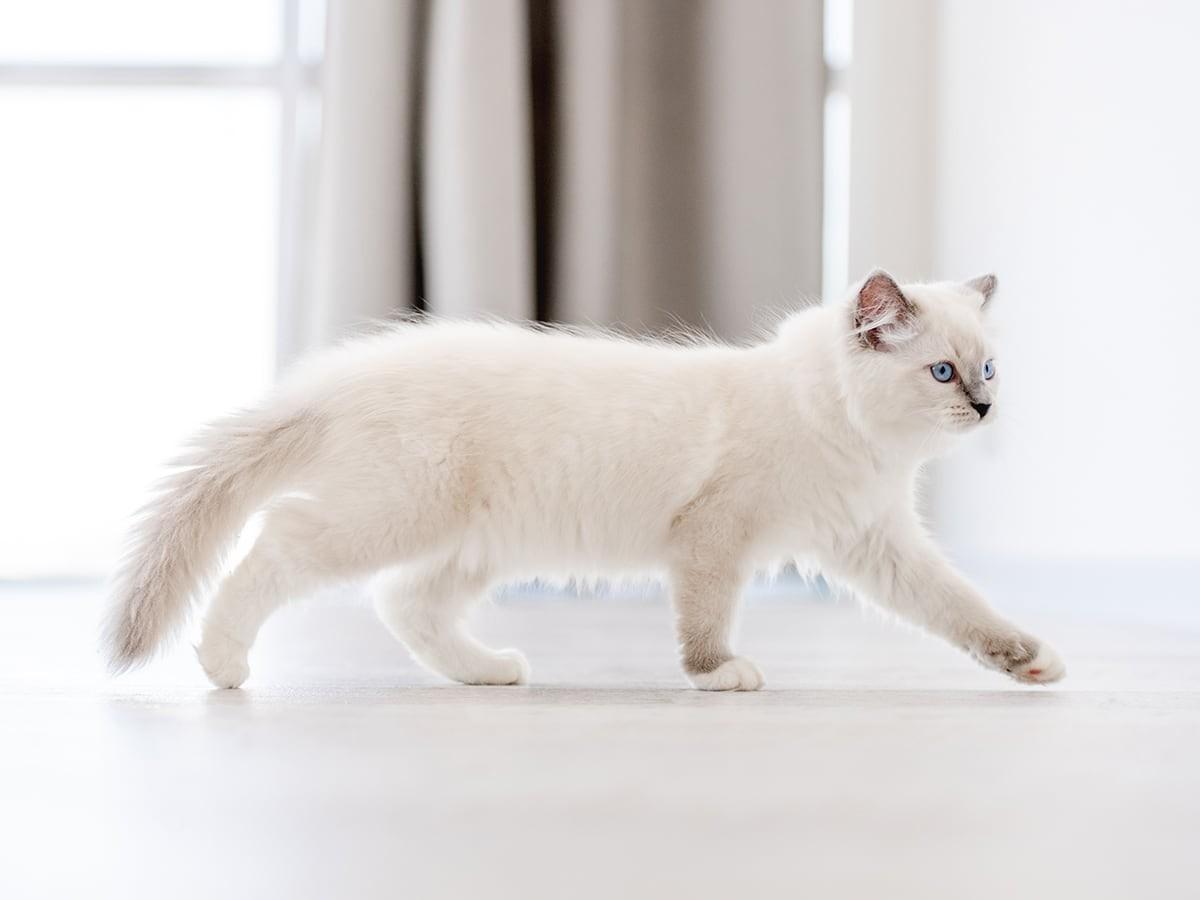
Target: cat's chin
946,438
964,425
960,428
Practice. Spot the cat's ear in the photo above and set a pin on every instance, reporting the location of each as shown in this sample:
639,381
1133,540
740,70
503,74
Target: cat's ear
883,316
984,284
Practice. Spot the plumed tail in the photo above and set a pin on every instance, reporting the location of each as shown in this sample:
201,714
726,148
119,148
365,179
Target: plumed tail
233,467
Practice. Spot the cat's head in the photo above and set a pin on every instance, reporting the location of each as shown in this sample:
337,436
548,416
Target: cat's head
919,358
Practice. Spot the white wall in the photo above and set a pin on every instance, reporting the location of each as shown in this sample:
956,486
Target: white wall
1065,155
891,137
1069,160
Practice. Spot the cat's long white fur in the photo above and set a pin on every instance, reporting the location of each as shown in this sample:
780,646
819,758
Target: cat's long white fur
455,455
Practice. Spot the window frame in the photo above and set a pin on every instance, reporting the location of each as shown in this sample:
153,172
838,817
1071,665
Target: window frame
295,80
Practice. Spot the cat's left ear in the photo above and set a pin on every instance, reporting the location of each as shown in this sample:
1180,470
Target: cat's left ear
883,316
984,284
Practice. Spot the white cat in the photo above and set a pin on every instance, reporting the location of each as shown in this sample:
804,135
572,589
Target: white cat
456,455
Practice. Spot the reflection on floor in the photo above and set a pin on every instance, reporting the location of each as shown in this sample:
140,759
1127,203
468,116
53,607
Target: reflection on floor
878,763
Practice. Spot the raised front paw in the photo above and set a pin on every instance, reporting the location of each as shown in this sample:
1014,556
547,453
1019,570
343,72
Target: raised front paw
734,674
1024,658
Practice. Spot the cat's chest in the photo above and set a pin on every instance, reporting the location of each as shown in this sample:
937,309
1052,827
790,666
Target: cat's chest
819,504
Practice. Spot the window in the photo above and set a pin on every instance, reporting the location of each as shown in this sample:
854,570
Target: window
153,173
835,243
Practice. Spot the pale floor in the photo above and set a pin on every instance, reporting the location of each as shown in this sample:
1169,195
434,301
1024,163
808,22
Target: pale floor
878,763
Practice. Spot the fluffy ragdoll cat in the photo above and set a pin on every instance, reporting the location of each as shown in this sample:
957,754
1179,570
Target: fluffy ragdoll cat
456,455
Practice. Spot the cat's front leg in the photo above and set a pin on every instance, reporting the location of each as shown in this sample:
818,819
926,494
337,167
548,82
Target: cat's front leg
898,567
705,594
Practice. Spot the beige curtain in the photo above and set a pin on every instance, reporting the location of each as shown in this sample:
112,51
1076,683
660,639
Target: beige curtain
632,161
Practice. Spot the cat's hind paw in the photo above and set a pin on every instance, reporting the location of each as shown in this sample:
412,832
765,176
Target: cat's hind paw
224,662
736,674
496,667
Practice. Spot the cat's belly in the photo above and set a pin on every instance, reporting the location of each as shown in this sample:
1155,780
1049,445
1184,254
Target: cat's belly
567,546
613,543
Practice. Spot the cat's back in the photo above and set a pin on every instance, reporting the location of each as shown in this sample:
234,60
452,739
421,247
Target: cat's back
492,348
489,362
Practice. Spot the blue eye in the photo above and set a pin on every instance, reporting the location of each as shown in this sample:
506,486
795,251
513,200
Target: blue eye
942,371
989,369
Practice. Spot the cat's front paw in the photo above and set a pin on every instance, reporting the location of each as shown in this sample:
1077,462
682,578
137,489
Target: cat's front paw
1024,658
734,674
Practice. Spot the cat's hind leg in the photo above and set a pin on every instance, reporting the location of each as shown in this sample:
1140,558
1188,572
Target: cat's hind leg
300,549
426,610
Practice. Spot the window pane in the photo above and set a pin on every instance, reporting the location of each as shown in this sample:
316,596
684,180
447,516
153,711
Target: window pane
137,299
140,31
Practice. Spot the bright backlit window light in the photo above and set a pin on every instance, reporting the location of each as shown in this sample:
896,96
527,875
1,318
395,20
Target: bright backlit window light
147,159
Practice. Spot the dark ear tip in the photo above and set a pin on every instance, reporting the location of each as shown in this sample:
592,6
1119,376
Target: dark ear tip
877,275
880,286
984,284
